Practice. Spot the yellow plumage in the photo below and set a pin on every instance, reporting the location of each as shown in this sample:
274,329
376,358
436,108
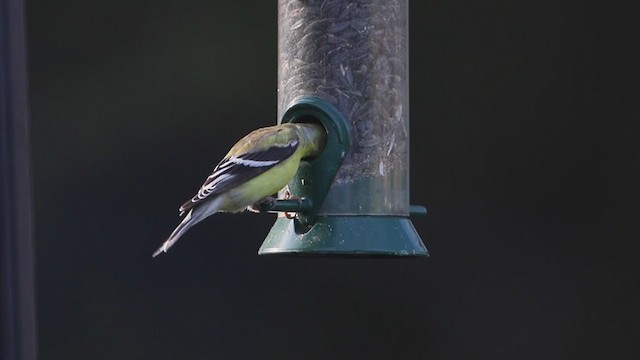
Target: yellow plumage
257,166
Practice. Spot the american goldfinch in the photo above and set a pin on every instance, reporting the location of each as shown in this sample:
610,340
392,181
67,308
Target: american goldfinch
257,166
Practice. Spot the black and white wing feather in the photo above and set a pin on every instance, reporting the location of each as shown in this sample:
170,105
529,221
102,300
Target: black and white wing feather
235,170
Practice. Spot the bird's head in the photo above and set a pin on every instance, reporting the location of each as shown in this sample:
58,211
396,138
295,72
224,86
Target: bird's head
313,138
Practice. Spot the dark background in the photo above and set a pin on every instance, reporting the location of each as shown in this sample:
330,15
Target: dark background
524,119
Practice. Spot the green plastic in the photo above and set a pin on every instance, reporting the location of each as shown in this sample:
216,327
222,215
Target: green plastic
304,205
417,210
313,233
345,236
314,178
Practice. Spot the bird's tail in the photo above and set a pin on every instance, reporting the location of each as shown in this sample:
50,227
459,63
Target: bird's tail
194,216
185,225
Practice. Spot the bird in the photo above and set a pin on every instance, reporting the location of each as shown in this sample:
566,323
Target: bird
257,166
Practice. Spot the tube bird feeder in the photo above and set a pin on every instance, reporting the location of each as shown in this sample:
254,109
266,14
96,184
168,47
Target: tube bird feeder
344,64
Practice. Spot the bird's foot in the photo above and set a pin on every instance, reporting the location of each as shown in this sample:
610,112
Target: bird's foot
263,205
288,196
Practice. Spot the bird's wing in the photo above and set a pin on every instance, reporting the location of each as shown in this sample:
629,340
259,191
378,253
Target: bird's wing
237,169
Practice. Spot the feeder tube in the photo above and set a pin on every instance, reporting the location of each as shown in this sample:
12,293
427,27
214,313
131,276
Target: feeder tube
354,55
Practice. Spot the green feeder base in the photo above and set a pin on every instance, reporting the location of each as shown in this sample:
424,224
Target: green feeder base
345,236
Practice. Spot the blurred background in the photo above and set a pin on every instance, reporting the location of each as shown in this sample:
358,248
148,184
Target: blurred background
525,122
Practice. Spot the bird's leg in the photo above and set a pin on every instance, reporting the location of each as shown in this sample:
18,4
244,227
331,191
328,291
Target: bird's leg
288,196
263,205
